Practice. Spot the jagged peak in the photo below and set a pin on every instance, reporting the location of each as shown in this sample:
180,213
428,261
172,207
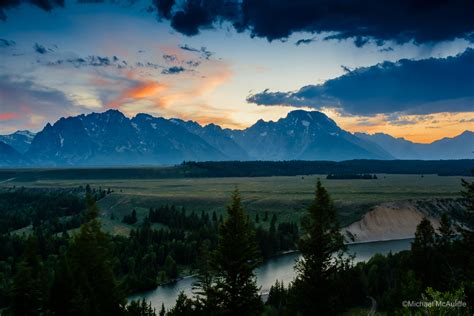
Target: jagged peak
213,126
24,132
143,116
466,132
302,114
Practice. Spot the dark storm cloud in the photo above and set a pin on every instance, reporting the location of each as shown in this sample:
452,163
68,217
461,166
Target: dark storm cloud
164,7
410,86
46,5
190,16
173,70
398,20
366,20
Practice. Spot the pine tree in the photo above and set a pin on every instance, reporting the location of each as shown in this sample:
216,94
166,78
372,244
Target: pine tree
424,237
277,296
134,216
184,306
29,289
203,288
445,230
140,308
272,229
62,289
234,262
162,310
95,290
171,268
423,251
322,247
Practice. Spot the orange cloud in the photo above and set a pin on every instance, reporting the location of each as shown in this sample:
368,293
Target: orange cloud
143,90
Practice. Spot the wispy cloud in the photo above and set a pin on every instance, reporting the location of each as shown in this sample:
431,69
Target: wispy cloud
203,51
173,70
40,49
6,43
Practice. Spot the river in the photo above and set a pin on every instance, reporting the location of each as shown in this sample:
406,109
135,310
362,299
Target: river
277,268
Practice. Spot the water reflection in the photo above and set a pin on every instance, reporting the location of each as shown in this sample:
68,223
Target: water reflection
278,268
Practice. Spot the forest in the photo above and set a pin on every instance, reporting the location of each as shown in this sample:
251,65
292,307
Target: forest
67,265
203,169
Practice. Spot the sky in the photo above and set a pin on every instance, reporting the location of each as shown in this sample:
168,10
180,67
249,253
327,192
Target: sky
405,68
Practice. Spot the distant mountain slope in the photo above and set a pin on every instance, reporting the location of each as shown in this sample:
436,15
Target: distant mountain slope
20,140
8,155
217,137
304,135
458,147
110,138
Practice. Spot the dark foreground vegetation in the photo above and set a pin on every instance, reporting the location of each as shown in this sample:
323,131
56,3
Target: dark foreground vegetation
192,169
56,271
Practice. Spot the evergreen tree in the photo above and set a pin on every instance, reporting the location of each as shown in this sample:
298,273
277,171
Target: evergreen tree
277,296
30,288
424,237
204,288
140,308
184,306
234,262
171,268
445,230
62,289
322,247
95,290
423,251
265,218
162,310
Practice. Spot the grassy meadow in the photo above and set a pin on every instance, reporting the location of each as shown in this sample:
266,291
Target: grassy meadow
285,196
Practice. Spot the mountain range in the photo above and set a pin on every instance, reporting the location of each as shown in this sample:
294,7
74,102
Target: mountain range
111,138
459,147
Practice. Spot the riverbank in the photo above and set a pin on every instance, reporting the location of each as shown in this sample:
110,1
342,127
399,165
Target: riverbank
389,221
